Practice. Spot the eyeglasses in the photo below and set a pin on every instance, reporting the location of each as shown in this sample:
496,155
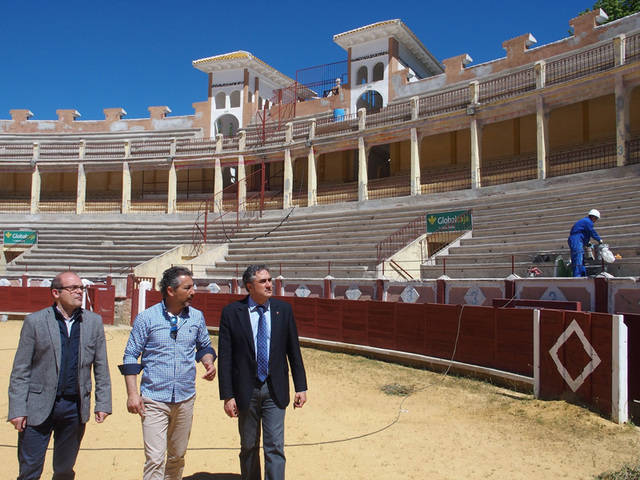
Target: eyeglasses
72,288
173,321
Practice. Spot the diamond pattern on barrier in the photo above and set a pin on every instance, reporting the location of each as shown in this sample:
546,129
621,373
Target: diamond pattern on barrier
353,292
409,295
213,288
302,291
553,293
575,383
474,296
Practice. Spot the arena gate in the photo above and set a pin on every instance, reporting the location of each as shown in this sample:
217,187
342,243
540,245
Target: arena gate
576,356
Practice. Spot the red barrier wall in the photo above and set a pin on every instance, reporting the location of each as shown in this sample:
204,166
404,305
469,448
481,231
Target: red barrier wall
24,299
32,299
102,300
633,356
497,338
488,337
573,378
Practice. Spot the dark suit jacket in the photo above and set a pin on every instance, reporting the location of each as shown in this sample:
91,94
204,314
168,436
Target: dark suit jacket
36,366
237,367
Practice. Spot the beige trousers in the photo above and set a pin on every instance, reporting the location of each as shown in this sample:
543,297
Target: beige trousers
166,428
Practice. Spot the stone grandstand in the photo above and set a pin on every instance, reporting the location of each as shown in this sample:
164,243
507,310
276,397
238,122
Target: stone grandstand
317,186
516,226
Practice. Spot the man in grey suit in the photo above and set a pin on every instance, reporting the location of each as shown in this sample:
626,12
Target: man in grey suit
258,336
50,384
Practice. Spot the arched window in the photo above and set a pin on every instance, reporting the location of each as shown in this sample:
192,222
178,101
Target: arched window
249,97
221,99
259,103
235,98
362,76
378,71
370,100
227,125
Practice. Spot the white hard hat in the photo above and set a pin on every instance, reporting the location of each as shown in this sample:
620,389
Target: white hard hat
594,213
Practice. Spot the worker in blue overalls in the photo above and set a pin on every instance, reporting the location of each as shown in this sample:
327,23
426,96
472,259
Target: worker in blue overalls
579,236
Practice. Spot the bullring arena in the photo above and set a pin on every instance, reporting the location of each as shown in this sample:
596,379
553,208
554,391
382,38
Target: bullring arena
415,213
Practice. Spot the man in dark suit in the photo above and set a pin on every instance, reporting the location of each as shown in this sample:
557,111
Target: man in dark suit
258,335
50,385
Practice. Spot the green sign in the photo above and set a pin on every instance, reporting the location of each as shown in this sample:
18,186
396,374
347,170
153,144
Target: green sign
449,221
20,237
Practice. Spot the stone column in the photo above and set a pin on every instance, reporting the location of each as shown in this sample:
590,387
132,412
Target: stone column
172,189
622,120
287,180
36,182
362,118
619,49
542,137
81,195
241,176
363,175
415,107
540,72
312,178
475,131
218,186
415,163
287,194
126,187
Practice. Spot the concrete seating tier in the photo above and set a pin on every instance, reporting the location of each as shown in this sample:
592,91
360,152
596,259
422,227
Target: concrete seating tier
525,220
95,246
532,230
522,219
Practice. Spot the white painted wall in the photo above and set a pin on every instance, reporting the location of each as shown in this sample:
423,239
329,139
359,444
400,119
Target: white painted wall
381,86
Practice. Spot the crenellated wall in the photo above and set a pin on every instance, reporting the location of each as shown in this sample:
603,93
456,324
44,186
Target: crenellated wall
520,51
114,122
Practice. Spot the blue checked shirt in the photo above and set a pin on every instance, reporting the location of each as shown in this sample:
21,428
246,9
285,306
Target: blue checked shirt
168,365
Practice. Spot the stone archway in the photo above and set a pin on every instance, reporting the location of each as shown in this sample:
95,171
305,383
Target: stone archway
227,125
370,100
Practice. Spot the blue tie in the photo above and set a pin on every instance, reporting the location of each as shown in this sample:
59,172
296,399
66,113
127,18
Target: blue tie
262,345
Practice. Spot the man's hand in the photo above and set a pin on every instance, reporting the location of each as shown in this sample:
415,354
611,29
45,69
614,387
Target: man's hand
135,404
230,407
100,416
300,399
210,371
19,423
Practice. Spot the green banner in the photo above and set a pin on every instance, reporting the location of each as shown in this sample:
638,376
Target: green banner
449,221
20,237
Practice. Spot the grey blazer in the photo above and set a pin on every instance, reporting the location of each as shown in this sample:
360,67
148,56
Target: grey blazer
34,377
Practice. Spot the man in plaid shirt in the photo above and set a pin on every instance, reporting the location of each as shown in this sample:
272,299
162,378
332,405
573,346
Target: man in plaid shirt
170,337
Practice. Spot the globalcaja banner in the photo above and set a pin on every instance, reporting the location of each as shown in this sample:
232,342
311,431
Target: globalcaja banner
20,237
449,221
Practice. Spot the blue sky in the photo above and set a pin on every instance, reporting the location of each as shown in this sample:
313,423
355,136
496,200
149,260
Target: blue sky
91,55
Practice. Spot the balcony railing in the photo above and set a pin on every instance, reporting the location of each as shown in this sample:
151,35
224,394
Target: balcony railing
444,102
397,113
582,159
335,126
508,85
578,65
632,47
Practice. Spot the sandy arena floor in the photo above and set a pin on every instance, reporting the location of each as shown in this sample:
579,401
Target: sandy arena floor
449,428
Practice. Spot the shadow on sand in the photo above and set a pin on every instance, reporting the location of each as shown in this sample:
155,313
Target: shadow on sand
212,476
